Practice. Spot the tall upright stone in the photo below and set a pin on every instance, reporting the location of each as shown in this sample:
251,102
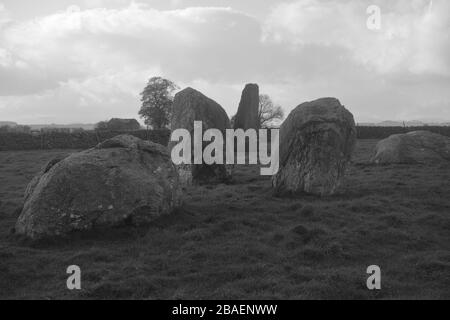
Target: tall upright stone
247,115
189,106
316,143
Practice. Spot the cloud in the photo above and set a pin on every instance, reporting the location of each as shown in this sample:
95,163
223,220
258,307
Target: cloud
413,37
84,57
87,100
193,41
88,65
4,15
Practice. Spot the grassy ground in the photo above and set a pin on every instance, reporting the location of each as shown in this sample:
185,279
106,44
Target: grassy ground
237,241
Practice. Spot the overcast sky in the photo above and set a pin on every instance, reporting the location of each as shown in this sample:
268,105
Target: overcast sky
63,61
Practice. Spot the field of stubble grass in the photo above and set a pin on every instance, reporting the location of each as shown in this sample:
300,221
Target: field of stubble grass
237,241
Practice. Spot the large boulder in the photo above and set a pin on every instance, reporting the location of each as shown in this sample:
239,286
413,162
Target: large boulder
191,105
316,143
123,180
413,147
247,115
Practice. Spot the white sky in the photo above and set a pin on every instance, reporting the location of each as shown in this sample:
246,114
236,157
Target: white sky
63,61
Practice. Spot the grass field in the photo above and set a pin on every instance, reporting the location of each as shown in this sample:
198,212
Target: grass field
238,241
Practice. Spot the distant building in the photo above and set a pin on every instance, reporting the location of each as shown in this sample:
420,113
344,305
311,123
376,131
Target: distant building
116,124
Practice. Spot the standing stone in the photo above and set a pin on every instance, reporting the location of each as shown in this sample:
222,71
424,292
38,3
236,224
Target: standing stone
247,115
412,148
316,143
191,105
123,180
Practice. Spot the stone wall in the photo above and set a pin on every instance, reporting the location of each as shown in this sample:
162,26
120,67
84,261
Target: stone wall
75,140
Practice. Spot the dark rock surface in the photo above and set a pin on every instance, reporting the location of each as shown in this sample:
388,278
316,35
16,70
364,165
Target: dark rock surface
191,105
247,115
316,143
413,147
122,180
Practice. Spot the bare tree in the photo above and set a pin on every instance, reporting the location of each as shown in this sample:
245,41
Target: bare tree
270,115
